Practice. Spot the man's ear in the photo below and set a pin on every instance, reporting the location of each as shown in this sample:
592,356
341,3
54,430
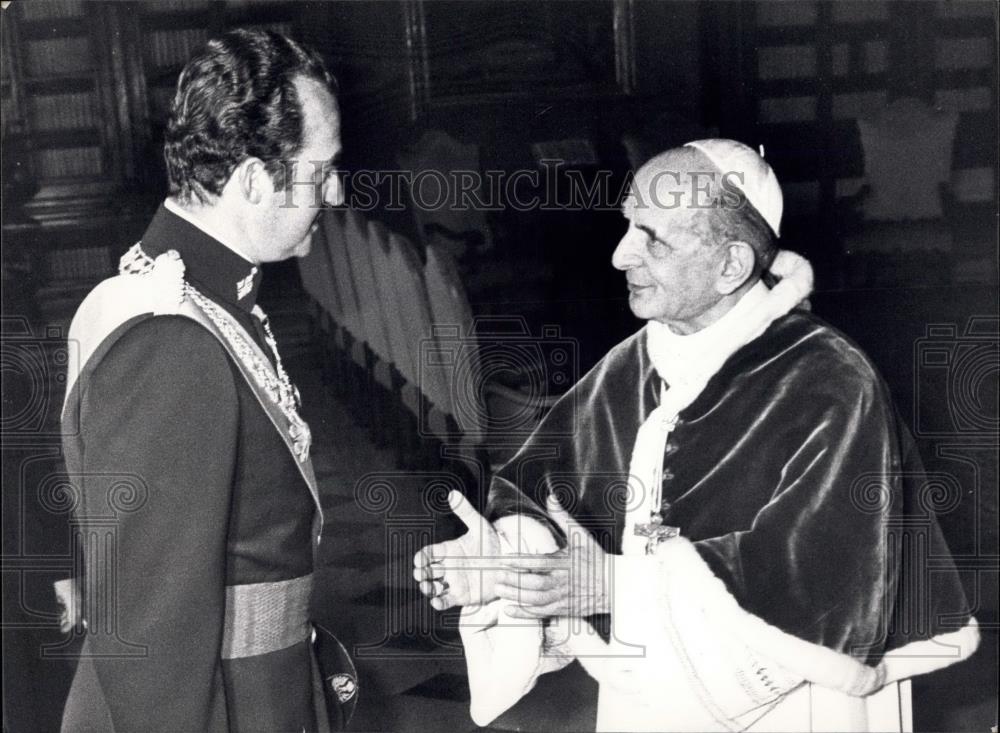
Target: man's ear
737,266
252,180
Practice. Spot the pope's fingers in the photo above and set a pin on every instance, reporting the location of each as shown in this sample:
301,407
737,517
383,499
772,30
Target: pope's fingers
433,588
430,554
431,571
527,612
436,591
438,603
538,563
530,581
464,510
527,598
422,557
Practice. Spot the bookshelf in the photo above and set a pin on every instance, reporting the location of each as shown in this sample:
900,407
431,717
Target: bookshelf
56,48
65,128
86,88
817,67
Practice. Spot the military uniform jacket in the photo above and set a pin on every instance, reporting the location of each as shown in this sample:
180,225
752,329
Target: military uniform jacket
189,497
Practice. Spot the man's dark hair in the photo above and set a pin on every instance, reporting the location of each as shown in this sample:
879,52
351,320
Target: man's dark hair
236,99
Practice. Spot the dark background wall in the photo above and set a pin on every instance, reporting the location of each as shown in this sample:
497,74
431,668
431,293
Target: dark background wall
86,86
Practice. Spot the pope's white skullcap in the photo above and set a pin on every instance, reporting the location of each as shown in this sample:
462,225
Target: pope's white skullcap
760,185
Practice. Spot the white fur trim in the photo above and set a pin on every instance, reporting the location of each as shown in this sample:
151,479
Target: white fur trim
694,635
928,655
791,267
503,655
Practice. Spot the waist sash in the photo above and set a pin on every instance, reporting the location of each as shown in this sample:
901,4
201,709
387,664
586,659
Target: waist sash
266,617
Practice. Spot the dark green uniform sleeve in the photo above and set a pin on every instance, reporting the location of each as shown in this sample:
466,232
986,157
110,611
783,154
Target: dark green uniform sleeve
160,415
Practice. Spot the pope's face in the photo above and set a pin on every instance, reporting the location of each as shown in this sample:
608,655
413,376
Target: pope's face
670,264
292,215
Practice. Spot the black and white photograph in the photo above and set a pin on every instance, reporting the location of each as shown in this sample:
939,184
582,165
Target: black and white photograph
500,365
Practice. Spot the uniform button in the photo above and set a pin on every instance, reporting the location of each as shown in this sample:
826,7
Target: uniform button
668,475
669,448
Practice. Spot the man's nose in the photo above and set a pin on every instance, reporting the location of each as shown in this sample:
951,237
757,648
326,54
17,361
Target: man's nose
626,254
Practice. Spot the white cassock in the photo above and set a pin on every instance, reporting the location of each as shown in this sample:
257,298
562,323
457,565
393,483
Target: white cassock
683,654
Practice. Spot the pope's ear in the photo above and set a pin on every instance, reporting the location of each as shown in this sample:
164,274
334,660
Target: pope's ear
737,266
252,180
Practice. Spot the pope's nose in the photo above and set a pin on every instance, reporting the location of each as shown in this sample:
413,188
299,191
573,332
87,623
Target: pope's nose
626,254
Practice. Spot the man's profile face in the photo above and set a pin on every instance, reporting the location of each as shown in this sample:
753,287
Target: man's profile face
292,214
670,264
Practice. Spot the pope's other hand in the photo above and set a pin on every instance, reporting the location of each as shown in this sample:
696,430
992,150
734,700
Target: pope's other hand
573,581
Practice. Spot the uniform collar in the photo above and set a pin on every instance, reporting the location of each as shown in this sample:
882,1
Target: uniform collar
210,265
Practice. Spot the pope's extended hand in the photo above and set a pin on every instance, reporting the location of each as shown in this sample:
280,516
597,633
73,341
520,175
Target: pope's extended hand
460,572
570,582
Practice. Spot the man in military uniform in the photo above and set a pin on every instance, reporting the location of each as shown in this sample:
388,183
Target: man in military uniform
196,615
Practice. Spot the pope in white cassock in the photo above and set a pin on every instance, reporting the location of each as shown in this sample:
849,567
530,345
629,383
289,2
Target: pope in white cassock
725,521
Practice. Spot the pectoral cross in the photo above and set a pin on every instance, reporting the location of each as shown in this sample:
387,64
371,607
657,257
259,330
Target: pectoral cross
655,532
